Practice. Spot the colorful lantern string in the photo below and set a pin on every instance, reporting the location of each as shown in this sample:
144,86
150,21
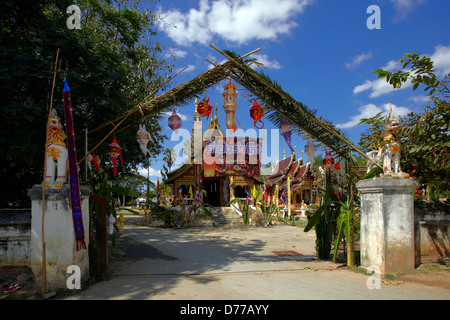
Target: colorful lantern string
115,151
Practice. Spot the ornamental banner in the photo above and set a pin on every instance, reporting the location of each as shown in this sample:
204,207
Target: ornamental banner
73,171
232,156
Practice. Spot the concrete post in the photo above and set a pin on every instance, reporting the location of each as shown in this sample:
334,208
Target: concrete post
387,223
59,235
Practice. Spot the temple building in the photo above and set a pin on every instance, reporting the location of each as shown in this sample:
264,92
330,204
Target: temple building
211,170
301,184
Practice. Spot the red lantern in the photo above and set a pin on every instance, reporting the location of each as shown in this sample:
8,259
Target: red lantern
256,112
204,108
174,121
114,151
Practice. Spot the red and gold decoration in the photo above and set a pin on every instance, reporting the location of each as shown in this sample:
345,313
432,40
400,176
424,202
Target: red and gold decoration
230,105
328,161
174,121
204,108
256,113
115,151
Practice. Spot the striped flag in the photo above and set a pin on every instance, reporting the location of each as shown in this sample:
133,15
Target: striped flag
179,190
199,197
158,200
283,198
249,199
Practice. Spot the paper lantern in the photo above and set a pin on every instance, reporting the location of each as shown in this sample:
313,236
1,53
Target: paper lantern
174,121
256,113
310,149
286,132
204,108
115,151
143,137
230,106
328,161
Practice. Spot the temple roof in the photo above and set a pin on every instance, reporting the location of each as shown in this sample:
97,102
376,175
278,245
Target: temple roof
281,169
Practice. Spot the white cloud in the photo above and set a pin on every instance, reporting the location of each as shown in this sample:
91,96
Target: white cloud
143,171
404,7
178,53
264,59
370,110
235,21
357,60
441,58
379,87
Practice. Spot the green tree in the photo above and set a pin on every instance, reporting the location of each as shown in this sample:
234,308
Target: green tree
111,64
424,136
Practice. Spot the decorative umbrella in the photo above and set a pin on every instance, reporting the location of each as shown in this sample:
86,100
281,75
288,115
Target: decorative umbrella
114,151
256,113
174,121
230,106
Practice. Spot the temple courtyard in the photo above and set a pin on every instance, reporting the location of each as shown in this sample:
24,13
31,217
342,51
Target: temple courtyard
240,263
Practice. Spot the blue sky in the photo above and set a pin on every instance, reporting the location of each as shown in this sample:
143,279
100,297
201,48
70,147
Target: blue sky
320,51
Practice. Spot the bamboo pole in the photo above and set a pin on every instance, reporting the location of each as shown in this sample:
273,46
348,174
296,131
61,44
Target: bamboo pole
44,249
310,115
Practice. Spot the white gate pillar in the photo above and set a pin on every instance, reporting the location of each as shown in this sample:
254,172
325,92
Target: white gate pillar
59,235
387,223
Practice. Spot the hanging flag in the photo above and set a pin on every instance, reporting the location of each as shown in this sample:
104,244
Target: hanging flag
115,151
249,199
199,198
254,192
275,196
74,185
265,193
180,190
158,199
286,132
283,199
191,195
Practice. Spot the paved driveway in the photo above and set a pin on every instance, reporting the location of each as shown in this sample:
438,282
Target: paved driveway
232,263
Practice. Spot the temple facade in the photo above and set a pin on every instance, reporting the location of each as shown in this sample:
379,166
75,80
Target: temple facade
295,180
195,174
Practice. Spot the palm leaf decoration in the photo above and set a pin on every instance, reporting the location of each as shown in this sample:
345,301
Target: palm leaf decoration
278,104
